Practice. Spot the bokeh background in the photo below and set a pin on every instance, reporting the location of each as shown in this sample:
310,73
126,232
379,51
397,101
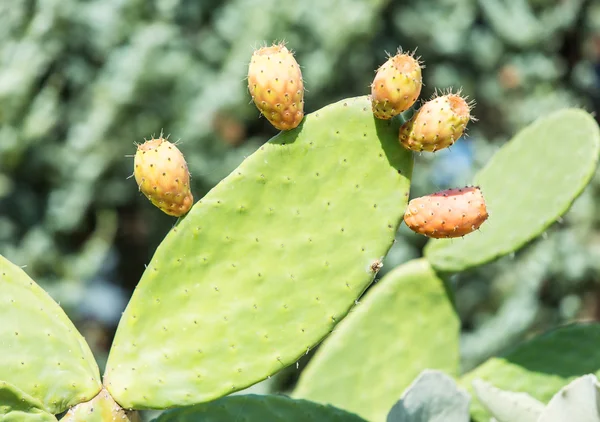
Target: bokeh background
81,81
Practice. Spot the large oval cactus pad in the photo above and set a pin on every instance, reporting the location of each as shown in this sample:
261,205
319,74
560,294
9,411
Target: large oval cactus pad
41,351
17,406
541,366
528,184
396,332
265,265
258,408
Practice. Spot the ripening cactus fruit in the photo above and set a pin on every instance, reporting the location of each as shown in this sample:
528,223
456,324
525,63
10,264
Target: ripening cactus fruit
396,86
162,175
275,83
437,124
448,213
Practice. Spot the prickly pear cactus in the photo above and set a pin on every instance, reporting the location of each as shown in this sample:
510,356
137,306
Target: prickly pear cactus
101,408
540,367
266,264
255,408
42,353
432,397
17,406
560,151
380,348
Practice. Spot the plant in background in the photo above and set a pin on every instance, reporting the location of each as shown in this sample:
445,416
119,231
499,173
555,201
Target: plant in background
271,261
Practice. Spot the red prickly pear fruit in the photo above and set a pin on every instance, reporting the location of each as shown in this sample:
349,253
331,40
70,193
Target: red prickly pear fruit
162,175
275,83
396,86
448,213
437,124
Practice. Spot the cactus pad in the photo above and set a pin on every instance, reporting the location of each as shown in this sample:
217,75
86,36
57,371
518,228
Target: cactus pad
255,408
266,264
541,367
529,183
380,348
42,353
17,406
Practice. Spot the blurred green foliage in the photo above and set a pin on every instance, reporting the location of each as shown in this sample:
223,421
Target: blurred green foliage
82,80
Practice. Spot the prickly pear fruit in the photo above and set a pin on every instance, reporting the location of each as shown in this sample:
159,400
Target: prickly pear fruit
275,83
437,124
396,86
162,175
448,213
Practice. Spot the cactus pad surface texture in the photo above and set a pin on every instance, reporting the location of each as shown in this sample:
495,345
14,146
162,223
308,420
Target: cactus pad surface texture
528,184
397,331
265,265
41,351
541,366
17,406
255,408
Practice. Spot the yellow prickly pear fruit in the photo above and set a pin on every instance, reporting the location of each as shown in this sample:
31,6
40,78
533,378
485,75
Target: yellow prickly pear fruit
437,124
275,83
448,213
396,86
162,175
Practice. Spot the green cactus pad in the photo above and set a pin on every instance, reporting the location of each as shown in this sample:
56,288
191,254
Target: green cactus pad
17,406
400,328
100,409
41,351
266,264
541,366
256,408
528,185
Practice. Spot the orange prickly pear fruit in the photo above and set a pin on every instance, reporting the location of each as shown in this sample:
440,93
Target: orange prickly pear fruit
396,86
275,83
437,124
162,175
448,213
